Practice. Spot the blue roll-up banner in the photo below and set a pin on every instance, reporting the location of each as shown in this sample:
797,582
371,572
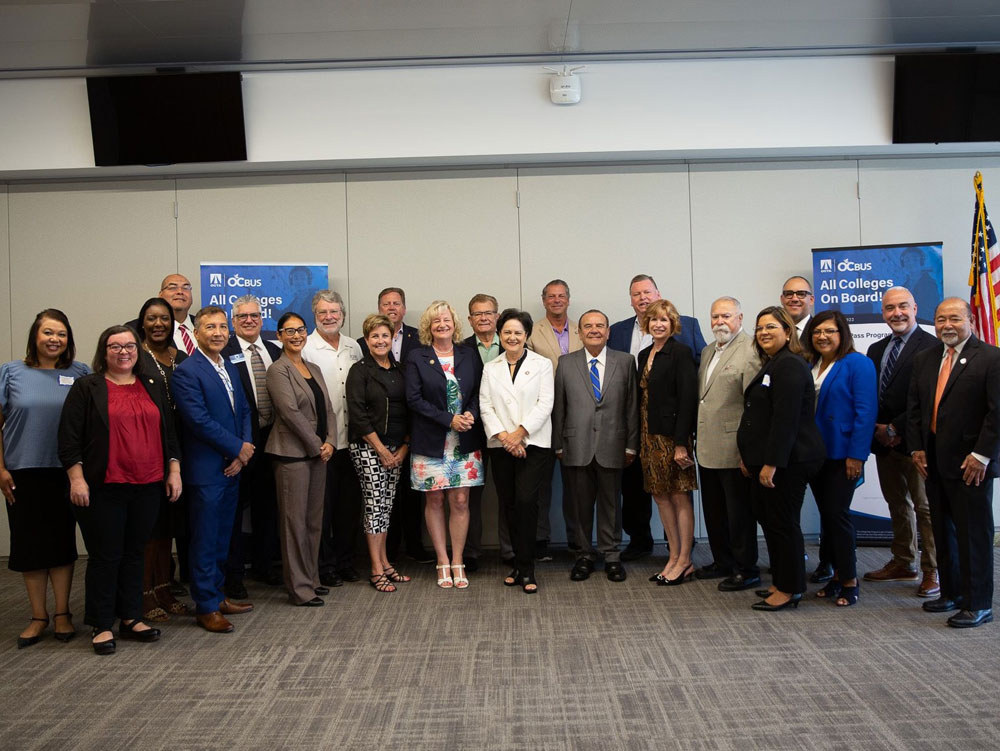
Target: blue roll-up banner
853,280
281,287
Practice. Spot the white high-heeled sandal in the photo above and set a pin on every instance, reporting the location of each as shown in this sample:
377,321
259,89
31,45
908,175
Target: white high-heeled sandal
460,581
446,582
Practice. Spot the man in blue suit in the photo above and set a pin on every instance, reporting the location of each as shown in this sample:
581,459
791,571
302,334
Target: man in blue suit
626,336
215,422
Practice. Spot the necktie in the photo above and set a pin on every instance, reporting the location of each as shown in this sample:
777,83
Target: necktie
890,365
260,386
942,380
186,338
595,380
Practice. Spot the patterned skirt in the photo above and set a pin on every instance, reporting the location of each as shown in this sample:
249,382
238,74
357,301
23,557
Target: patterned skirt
452,470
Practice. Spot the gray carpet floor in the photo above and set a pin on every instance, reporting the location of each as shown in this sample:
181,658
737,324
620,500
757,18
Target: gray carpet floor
588,665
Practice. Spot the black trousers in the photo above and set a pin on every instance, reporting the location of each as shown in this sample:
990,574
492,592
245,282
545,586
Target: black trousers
834,493
116,527
637,508
342,509
779,510
729,520
406,521
257,493
518,483
962,518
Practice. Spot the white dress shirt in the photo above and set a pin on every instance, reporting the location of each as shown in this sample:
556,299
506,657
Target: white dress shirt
334,363
639,340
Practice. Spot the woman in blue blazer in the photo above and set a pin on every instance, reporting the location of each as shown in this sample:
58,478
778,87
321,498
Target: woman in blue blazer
846,406
446,459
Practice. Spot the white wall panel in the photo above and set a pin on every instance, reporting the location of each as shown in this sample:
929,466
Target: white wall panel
6,351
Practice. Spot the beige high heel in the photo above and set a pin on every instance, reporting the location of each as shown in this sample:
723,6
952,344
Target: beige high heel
445,582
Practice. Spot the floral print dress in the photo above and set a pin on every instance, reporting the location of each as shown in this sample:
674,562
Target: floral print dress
454,469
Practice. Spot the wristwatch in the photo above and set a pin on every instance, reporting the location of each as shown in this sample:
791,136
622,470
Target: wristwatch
890,431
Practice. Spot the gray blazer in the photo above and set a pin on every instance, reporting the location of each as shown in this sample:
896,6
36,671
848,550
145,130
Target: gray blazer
584,428
294,431
720,401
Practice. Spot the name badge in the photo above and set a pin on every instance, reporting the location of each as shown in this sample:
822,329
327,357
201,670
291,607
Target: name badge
237,358
66,380
766,380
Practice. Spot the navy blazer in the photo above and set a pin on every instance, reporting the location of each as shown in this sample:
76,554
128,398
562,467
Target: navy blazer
213,432
620,336
233,348
672,384
892,405
778,427
847,405
428,400
411,340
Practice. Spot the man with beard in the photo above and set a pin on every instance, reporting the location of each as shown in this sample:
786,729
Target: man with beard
953,433
727,367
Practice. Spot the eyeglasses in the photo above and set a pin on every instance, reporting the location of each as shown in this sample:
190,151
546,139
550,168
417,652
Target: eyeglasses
483,314
174,287
802,294
118,348
288,330
247,316
768,327
826,332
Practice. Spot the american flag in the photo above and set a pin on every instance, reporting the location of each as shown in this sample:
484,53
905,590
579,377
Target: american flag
984,275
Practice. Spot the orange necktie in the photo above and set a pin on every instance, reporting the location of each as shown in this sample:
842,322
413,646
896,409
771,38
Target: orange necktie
942,380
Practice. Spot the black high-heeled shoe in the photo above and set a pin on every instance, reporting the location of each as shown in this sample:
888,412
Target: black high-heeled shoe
103,647
529,581
768,607
831,590
27,641
686,576
512,579
849,595
657,578
127,631
63,636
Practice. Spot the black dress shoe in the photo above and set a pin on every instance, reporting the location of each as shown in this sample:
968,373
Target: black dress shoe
615,571
765,593
768,607
581,569
943,604
711,571
635,553
349,574
471,565
508,562
738,582
421,556
970,618
236,591
315,602
331,579
542,552
127,631
322,590
823,573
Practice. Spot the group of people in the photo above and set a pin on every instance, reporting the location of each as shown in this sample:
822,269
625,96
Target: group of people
180,428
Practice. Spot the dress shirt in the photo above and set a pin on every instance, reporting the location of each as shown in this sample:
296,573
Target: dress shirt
264,356
905,337
801,325
639,341
397,343
602,358
717,355
220,367
492,351
562,336
335,363
178,340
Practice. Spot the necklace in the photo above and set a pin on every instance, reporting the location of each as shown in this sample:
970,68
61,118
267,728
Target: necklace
163,375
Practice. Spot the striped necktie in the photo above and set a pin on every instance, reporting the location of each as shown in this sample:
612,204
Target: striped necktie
260,386
890,365
186,338
595,380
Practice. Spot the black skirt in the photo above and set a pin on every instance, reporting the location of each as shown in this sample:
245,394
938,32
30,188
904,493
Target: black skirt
42,526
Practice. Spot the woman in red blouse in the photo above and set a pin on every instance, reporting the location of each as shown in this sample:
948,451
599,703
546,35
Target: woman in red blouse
118,445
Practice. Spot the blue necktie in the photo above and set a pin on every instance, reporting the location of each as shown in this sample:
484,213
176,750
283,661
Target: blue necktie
595,380
890,364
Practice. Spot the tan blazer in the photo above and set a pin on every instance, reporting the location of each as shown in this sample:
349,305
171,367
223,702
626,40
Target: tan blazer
543,341
720,401
294,431
505,404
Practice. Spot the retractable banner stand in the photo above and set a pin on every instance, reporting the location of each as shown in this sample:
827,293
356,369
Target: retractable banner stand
281,287
853,280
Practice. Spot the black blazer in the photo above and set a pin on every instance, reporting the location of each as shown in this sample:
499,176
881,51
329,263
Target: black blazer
672,384
969,413
892,405
411,340
233,348
778,427
368,399
84,434
428,401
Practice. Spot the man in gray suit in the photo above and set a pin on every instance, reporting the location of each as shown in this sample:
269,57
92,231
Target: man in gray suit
727,367
595,434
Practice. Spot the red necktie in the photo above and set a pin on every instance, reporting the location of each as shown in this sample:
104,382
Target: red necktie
186,338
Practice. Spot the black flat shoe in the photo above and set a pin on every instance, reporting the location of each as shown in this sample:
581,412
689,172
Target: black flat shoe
103,647
737,583
127,631
321,590
768,607
315,602
27,641
823,573
63,636
943,604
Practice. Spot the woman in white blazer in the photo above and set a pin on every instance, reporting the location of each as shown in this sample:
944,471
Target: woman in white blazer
515,403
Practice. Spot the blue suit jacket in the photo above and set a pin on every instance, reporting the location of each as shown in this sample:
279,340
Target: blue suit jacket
428,400
213,432
620,336
847,406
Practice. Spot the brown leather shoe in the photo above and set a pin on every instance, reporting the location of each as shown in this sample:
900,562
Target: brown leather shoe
891,572
228,607
930,586
214,622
